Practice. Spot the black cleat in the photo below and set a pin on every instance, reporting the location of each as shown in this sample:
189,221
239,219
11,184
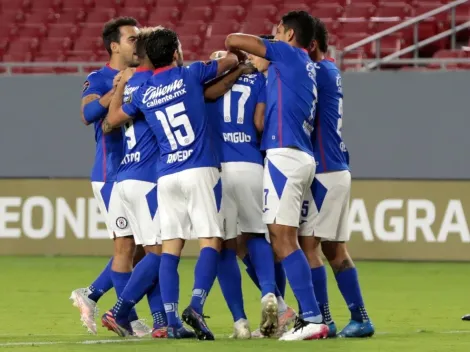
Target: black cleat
197,322
466,317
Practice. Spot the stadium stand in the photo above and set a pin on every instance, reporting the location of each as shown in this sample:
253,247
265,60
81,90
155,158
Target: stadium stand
69,30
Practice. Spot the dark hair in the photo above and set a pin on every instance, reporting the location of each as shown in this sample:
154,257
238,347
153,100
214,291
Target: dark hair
268,37
321,35
111,32
161,46
141,42
302,24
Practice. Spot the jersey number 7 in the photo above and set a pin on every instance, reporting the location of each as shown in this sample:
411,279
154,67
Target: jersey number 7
177,129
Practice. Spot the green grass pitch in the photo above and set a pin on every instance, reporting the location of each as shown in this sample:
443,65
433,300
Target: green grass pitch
414,306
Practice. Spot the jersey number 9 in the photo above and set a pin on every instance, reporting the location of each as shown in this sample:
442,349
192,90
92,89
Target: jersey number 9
340,119
177,129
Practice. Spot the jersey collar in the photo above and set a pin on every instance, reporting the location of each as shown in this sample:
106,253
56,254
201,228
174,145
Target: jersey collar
110,69
142,69
162,69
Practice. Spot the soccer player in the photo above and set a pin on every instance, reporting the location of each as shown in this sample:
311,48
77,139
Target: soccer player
118,36
331,190
189,185
290,165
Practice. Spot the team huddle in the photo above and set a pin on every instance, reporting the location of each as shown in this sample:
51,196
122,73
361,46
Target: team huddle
248,155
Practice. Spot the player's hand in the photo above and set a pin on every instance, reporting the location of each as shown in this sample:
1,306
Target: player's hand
247,68
117,78
240,55
218,54
127,74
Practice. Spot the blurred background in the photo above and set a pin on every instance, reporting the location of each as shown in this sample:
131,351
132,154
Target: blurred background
406,71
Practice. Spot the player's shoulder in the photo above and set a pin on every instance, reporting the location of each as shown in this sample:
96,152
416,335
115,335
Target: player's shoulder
326,70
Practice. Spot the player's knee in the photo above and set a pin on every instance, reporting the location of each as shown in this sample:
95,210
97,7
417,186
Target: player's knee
138,254
283,240
241,246
230,244
173,247
155,249
124,247
309,246
212,242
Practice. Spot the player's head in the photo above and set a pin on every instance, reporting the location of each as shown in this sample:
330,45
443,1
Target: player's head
260,63
164,49
141,44
119,37
297,29
320,42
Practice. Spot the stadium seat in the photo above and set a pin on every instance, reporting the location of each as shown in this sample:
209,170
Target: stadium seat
164,15
70,16
350,39
388,45
357,55
60,30
13,5
101,15
201,3
215,42
204,13
32,31
275,3
293,6
224,28
191,42
179,4
56,46
80,57
17,57
108,4
357,12
330,3
236,13
462,13
91,30
40,17
424,7
257,13
88,44
394,11
258,27
243,3
195,28
139,13
54,5
327,14
449,54
355,27
49,57
77,4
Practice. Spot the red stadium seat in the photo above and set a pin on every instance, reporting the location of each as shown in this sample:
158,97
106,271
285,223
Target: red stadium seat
392,11
224,28
358,55
258,13
100,15
424,7
55,45
108,4
60,30
447,54
88,44
91,30
258,27
195,28
215,42
200,3
179,4
80,57
204,13
17,56
351,38
70,16
32,31
54,5
330,3
40,17
49,57
327,14
243,3
23,46
462,13
388,45
355,27
77,4
164,15
224,13
275,3
13,5
191,43
293,6
139,13
357,12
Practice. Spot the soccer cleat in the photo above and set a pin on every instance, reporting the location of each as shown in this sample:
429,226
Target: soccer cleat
140,328
109,322
332,329
304,330
285,319
257,334
198,323
358,329
269,320
180,333
466,317
241,330
160,332
87,307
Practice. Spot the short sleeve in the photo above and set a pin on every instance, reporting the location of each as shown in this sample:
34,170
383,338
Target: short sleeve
131,107
94,84
277,51
204,71
262,91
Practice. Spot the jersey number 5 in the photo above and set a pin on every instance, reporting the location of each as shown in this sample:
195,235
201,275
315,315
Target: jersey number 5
340,119
246,91
130,135
182,133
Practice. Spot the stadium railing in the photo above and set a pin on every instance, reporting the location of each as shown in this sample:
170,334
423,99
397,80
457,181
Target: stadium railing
394,58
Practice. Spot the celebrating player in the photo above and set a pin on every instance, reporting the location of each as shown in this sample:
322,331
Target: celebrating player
118,36
331,190
290,166
190,189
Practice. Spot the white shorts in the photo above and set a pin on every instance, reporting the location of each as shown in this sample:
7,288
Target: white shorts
330,205
112,209
190,201
242,186
139,199
288,174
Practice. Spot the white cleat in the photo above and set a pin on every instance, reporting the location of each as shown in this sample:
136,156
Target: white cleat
304,330
257,334
87,307
241,330
140,328
269,321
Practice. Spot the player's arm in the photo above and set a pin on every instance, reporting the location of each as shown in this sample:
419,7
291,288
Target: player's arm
116,115
207,71
221,85
247,43
259,116
95,101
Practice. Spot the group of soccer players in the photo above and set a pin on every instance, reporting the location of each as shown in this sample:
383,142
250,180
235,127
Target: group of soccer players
248,155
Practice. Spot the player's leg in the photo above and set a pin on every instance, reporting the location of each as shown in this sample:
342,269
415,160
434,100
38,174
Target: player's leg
334,231
85,299
175,228
203,187
228,272
287,178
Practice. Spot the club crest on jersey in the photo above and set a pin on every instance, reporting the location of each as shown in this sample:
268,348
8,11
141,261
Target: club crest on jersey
85,86
121,222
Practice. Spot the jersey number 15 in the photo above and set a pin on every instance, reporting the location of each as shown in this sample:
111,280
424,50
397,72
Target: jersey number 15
177,129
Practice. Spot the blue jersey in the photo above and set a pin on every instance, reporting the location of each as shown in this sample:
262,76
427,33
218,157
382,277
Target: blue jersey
234,115
291,98
109,150
172,101
330,151
140,145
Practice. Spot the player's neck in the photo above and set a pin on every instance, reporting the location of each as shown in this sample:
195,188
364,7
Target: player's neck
116,64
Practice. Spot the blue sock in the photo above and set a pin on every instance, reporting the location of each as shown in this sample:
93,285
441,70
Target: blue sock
119,282
143,277
321,292
154,297
250,270
102,284
204,277
348,284
280,276
230,280
300,279
170,287
262,257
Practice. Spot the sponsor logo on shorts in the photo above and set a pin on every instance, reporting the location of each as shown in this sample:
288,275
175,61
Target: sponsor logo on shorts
121,222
